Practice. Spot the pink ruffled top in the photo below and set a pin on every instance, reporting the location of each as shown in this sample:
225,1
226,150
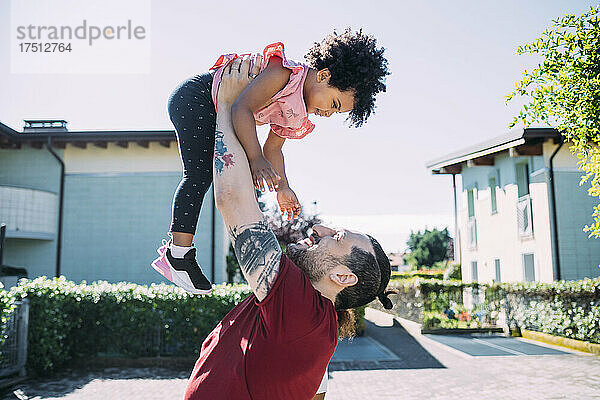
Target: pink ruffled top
287,112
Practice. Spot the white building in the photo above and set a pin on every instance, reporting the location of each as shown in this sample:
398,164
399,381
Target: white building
521,211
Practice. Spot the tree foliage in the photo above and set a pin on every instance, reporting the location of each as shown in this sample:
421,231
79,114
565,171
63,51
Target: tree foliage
564,91
427,247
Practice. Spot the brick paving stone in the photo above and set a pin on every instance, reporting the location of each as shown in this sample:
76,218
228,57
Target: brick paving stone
535,377
106,384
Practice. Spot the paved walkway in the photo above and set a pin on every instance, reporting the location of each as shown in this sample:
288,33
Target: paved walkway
432,370
390,364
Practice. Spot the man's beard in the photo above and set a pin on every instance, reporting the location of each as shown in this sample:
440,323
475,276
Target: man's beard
308,262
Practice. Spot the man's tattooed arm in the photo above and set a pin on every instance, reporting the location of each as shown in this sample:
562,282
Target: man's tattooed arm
222,157
255,245
258,253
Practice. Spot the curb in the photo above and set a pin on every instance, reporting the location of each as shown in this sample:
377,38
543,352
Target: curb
460,331
417,328
573,344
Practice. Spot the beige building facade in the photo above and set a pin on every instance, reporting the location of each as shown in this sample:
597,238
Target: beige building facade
520,211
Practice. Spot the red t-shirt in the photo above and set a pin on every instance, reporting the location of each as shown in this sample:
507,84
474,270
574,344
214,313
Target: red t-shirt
274,349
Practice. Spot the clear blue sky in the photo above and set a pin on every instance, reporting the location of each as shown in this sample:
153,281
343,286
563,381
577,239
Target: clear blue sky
451,62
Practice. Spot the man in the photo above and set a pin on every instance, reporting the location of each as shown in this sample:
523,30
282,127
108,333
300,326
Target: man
277,343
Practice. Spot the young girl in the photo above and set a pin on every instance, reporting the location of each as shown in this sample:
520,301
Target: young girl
343,74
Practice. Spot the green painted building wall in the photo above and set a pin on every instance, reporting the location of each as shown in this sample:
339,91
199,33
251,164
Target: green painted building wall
112,223
579,255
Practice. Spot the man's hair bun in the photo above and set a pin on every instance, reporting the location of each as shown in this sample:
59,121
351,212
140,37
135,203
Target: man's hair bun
387,303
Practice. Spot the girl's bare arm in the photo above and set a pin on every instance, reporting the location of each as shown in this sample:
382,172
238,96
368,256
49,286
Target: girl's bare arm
272,150
288,202
270,81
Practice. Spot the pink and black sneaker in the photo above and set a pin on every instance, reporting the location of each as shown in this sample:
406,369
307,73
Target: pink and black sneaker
184,272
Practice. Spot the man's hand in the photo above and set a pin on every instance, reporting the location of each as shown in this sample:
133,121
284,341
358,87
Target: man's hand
236,76
288,203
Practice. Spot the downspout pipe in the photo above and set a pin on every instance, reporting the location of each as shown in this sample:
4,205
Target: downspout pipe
60,205
553,213
2,236
456,241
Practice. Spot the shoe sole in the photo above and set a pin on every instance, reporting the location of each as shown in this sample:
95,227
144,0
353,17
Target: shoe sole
179,278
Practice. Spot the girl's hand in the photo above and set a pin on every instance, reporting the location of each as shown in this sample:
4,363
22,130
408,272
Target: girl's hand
262,170
288,203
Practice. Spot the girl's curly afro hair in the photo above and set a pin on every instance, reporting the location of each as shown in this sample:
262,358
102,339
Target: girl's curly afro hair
356,64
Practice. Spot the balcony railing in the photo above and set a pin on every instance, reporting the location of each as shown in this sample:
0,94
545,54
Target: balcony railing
28,213
524,217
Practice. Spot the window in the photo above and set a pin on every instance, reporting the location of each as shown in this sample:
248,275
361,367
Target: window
474,274
493,194
528,267
523,179
471,223
524,217
471,202
524,212
497,268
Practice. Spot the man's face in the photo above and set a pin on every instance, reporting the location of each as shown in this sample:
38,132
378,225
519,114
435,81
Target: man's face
325,248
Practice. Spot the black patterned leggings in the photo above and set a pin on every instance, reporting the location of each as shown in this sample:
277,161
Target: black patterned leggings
192,112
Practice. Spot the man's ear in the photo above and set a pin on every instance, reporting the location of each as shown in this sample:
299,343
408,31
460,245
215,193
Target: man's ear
323,75
344,279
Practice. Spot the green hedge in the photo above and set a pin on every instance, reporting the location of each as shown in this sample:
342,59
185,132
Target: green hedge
7,306
359,320
565,308
68,321
435,287
426,274
438,303
586,288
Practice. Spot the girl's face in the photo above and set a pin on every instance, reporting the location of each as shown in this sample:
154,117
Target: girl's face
324,100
